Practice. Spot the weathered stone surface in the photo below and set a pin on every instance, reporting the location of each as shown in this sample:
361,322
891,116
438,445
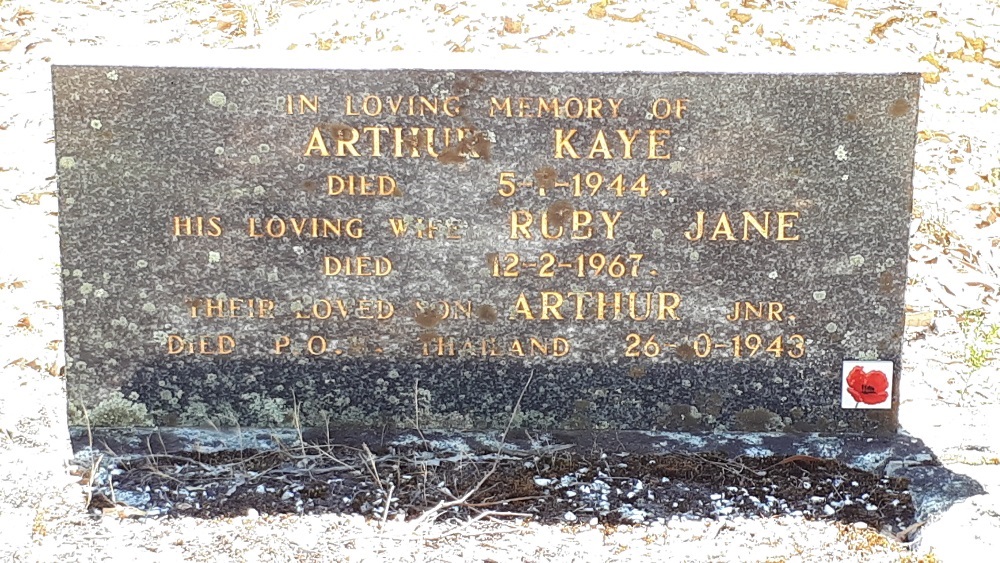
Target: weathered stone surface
822,162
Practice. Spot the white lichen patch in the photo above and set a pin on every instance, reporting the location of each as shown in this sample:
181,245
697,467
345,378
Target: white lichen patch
214,257
857,260
841,153
220,151
263,147
141,263
100,293
259,190
149,308
819,295
773,275
694,256
67,162
831,327
86,288
112,75
217,99
96,124
118,411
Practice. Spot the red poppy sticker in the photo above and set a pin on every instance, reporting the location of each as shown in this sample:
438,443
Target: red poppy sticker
867,385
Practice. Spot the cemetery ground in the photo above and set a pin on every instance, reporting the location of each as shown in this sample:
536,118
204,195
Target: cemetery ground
538,500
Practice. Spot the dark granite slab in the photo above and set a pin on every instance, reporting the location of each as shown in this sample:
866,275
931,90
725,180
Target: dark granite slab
234,257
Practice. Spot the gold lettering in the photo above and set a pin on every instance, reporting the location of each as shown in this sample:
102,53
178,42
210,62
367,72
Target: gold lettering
361,266
551,302
347,145
750,221
562,141
520,220
724,227
594,107
615,103
600,147
627,140
523,308
316,143
655,143
784,225
699,230
498,106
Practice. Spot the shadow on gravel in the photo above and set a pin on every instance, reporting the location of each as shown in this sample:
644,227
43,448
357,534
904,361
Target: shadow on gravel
612,478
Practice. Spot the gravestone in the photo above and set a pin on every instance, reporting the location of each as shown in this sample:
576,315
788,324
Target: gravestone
383,248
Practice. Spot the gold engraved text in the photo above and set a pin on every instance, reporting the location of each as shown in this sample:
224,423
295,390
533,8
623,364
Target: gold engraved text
573,108
563,222
362,266
751,310
197,226
426,228
368,309
374,106
760,223
597,305
382,186
619,143
212,308
556,347
305,227
220,345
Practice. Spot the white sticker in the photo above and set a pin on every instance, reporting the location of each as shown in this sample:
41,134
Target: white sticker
866,385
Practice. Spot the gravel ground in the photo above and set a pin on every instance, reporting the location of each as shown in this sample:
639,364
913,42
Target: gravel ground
949,386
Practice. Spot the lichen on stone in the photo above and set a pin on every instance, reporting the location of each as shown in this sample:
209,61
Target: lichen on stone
117,411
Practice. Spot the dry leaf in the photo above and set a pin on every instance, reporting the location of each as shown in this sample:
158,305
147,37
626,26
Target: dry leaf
880,28
511,26
930,58
924,318
990,104
933,136
23,16
30,199
759,30
8,43
24,323
978,47
839,3
598,10
53,369
634,19
681,42
505,46
740,17
780,42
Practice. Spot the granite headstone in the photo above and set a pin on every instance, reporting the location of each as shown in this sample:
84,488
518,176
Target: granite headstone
371,248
